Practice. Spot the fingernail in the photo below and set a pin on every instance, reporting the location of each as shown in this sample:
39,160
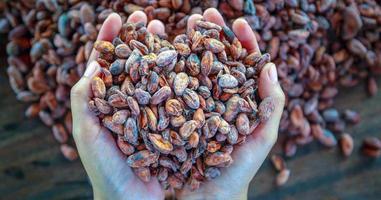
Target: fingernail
90,69
243,20
272,73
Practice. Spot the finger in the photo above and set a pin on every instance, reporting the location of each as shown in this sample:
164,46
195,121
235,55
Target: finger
156,27
192,20
79,100
138,17
109,30
270,87
93,56
212,15
245,35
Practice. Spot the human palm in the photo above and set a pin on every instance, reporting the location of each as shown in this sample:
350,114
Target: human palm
112,178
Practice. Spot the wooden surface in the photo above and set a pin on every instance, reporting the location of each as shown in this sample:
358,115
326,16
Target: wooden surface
32,167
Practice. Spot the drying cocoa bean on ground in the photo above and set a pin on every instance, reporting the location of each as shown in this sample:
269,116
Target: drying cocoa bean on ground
318,47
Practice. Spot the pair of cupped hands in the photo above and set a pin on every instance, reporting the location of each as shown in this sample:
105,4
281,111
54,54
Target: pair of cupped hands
106,166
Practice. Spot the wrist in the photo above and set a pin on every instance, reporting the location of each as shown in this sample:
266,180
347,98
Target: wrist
215,194
101,193
98,195
104,194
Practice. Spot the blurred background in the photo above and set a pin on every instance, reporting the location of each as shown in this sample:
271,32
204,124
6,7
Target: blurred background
32,165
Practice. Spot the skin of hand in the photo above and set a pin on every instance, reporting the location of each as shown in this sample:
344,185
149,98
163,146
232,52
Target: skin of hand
248,157
106,166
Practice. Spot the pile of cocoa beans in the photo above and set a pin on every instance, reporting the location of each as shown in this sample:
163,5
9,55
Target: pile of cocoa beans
317,46
178,110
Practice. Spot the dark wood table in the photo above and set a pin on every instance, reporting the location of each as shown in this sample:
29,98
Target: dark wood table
32,167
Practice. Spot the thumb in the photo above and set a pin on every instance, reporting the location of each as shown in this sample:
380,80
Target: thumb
270,87
79,95
81,90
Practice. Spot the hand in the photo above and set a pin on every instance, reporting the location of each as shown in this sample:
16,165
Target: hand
106,166
248,157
